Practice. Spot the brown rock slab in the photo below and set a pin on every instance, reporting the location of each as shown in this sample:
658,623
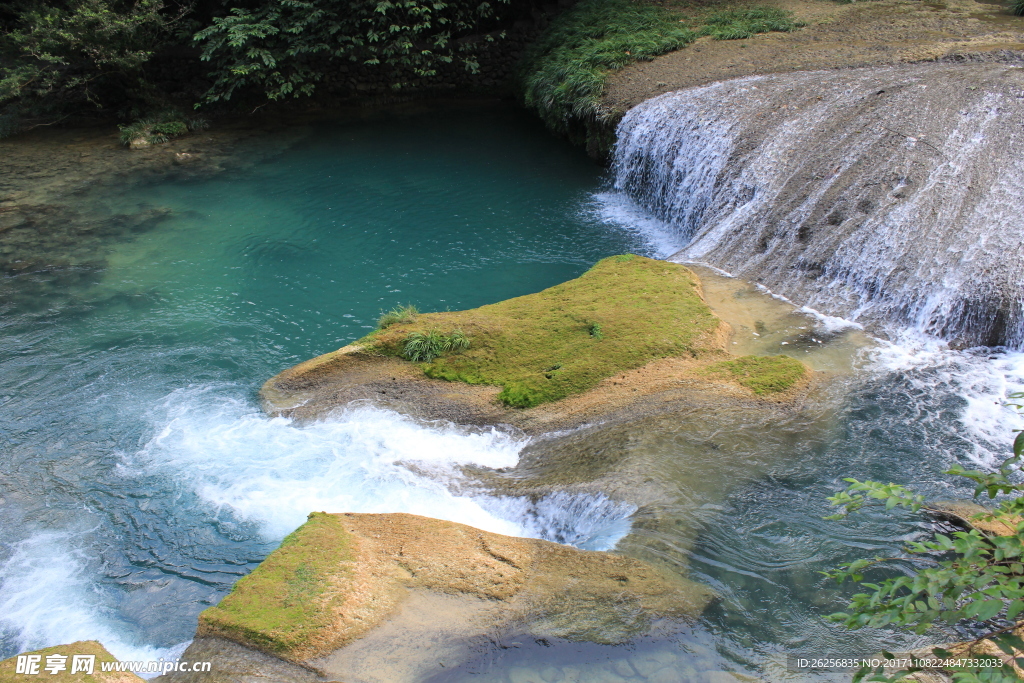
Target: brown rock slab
394,597
973,516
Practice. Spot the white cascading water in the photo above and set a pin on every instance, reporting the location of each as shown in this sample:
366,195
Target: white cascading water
892,196
212,443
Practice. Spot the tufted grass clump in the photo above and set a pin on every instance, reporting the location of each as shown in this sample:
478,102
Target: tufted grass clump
762,374
1017,7
738,24
423,347
161,128
398,314
620,315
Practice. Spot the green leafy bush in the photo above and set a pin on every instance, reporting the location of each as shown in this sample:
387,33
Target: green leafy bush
81,54
969,576
283,47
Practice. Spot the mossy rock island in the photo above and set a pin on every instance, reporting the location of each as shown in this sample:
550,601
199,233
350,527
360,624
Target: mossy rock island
393,597
627,335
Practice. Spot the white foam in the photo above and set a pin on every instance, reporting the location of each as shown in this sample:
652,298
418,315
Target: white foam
48,597
982,377
619,210
829,324
275,471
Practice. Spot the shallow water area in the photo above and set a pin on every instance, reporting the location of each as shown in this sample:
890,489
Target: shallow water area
140,478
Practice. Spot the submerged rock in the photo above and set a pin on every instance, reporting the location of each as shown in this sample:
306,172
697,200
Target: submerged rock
61,659
398,597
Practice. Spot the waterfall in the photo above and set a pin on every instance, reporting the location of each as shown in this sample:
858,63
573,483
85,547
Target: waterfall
893,196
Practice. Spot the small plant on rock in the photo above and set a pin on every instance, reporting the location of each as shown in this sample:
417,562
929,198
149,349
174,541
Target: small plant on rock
160,129
423,347
398,314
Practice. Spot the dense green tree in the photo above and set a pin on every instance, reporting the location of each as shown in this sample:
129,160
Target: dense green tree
282,47
56,58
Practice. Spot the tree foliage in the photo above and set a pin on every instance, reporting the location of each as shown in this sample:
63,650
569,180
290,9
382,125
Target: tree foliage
281,47
61,56
970,578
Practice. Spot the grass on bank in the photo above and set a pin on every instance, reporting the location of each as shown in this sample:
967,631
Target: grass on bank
563,74
161,128
621,314
286,599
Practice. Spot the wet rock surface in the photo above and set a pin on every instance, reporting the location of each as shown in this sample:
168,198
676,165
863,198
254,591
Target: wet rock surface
889,195
406,597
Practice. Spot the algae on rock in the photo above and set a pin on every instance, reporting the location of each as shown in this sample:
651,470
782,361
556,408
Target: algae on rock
629,332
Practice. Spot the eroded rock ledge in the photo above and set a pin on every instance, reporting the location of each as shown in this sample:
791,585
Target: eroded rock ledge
394,597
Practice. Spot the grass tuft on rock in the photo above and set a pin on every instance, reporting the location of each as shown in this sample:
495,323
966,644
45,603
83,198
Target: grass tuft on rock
562,75
288,598
398,314
762,374
621,314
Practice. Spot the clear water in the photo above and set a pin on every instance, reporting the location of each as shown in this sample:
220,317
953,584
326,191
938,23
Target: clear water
140,479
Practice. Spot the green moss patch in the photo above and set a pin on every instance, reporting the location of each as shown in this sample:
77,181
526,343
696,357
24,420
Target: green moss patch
762,374
284,601
621,314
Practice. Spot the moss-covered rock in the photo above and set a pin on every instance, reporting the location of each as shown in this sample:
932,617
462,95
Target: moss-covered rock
762,374
289,599
621,314
62,657
343,578
627,329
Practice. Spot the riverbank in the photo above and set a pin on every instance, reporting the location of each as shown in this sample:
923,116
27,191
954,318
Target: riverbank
835,36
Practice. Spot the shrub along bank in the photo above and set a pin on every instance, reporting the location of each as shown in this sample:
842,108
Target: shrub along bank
562,75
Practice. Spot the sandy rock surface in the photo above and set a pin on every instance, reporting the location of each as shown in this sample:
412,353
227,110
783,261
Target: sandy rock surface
413,595
62,657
